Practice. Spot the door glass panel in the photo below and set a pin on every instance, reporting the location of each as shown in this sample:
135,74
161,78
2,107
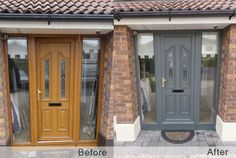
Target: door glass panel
63,78
19,89
90,84
170,67
147,77
209,57
46,77
184,67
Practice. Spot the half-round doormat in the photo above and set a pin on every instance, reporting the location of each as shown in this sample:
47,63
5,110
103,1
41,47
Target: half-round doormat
177,136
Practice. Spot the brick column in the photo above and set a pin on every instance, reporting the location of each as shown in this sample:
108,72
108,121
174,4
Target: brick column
119,88
226,119
123,85
4,133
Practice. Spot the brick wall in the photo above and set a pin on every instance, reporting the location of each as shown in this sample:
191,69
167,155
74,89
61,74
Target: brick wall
4,133
106,129
227,96
123,81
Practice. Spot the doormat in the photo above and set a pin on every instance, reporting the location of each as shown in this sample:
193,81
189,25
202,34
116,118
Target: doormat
177,136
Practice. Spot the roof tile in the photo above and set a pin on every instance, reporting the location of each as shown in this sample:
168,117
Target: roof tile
107,6
57,6
166,5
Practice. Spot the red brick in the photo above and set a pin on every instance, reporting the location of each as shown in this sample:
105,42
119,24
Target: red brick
227,97
106,127
124,95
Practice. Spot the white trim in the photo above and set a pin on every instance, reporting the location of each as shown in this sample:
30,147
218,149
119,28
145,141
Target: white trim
56,27
225,130
127,132
176,23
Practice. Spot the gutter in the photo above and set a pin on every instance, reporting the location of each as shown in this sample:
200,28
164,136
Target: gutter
64,17
170,13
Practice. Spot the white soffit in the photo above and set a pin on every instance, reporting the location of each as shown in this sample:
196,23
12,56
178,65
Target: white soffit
55,27
176,23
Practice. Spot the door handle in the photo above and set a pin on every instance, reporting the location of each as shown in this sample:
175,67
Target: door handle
38,93
163,81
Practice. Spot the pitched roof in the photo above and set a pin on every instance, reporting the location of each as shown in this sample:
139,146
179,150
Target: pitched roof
56,6
160,6
106,7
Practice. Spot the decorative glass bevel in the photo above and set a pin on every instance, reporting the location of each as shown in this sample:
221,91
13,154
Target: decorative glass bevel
46,77
63,78
170,61
185,67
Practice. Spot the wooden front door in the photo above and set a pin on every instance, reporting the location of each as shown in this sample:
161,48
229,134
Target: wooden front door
55,68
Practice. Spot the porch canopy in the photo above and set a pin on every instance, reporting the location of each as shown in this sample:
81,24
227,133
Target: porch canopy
56,17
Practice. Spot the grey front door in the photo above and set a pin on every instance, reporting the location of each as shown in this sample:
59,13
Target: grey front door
176,54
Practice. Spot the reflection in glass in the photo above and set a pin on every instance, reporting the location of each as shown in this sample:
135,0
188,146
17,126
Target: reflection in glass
19,89
46,77
147,76
90,81
208,76
63,78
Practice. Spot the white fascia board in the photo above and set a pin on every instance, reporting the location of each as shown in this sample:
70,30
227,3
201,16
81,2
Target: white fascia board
156,23
15,26
175,20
